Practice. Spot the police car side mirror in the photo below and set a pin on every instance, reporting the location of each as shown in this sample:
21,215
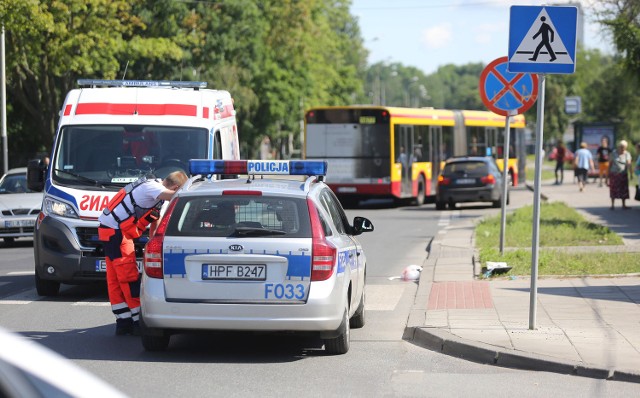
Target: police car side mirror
361,224
35,175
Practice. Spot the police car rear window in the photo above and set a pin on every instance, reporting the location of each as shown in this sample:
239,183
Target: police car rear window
240,216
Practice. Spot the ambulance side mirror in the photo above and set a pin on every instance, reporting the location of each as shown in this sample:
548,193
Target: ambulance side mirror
35,175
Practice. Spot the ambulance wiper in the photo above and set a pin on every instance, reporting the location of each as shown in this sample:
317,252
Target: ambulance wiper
93,182
253,231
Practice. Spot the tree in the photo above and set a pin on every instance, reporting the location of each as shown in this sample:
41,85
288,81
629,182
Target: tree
622,18
52,44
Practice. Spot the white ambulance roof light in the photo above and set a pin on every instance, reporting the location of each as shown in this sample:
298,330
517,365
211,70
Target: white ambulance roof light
258,167
140,83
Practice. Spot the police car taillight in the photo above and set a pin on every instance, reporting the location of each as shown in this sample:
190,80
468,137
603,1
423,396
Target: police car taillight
153,266
323,253
258,167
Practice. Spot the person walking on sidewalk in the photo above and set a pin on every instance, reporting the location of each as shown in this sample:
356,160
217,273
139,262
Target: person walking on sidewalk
603,153
560,155
583,164
619,169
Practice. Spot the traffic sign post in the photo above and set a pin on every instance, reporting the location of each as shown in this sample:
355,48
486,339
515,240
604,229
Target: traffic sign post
507,94
541,40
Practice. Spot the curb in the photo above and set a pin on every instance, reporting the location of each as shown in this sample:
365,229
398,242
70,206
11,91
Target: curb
446,343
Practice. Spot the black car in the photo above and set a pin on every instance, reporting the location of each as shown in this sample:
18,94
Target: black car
469,179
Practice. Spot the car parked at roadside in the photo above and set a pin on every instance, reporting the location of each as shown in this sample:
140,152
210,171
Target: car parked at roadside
469,179
255,254
19,206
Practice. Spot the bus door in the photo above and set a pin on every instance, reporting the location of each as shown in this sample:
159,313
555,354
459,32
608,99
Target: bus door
436,154
404,144
493,142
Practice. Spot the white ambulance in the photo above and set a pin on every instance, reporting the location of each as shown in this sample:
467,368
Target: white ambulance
112,133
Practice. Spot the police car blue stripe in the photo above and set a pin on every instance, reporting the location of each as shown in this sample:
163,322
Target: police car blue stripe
299,265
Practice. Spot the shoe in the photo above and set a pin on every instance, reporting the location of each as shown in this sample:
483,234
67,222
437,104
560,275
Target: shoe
135,328
124,327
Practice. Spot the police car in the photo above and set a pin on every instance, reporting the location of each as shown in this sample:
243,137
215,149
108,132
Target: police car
255,254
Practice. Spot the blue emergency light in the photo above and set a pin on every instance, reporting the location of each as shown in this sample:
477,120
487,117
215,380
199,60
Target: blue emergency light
258,167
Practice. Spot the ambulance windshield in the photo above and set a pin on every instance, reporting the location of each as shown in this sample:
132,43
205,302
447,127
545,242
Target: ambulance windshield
110,155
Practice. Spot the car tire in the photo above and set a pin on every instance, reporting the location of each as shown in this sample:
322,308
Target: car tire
340,344
440,205
9,241
422,192
153,339
357,320
452,205
497,203
47,288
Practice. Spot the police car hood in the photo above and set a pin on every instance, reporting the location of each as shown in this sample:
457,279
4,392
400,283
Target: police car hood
20,200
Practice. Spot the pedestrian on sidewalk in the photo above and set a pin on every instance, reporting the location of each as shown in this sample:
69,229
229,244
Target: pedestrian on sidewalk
583,163
560,155
603,153
619,169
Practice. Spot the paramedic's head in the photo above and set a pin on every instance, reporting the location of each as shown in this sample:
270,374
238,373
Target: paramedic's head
175,180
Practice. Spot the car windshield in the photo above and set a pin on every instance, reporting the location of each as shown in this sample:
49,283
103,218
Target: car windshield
14,183
240,216
470,168
107,156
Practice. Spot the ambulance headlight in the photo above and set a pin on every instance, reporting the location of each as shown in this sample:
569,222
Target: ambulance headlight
57,208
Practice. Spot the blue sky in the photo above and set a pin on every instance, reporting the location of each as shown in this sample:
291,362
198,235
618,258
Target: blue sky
431,33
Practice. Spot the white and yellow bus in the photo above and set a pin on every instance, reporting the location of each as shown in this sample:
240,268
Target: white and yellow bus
389,152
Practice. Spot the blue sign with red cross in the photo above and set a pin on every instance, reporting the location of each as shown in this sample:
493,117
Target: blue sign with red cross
507,93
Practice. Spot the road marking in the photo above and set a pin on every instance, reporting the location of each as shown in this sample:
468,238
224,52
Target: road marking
22,273
383,297
87,303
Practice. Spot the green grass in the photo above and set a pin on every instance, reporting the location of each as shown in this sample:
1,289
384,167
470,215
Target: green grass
560,225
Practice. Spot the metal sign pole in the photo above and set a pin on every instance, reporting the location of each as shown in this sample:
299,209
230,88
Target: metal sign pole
533,297
3,105
505,180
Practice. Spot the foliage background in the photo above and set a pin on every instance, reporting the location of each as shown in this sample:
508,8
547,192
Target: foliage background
276,57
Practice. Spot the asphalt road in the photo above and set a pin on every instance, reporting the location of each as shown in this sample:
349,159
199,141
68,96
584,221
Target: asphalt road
78,324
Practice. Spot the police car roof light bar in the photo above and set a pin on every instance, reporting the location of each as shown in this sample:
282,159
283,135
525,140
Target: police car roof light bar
141,83
258,167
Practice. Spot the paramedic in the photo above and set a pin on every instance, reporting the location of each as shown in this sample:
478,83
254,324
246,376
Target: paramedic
125,218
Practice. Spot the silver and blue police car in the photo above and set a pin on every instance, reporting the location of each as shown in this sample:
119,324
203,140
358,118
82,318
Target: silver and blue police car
255,254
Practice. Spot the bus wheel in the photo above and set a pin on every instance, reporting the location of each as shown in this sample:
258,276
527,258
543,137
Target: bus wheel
419,200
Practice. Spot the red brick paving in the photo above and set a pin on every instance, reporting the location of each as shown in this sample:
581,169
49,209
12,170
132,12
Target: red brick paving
460,295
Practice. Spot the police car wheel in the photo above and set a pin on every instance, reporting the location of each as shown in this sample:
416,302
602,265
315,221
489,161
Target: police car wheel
153,339
357,320
47,288
340,345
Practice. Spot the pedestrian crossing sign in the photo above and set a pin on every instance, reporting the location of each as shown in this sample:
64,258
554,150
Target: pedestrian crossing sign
542,39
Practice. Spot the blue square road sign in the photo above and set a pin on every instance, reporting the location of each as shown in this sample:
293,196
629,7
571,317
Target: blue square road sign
542,39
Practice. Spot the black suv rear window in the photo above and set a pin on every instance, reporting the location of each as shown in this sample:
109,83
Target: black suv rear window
469,168
241,216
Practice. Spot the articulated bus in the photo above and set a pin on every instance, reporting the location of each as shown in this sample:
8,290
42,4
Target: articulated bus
389,152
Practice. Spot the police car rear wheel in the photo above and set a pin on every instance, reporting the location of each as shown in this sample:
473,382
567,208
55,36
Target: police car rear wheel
153,339
340,345
46,288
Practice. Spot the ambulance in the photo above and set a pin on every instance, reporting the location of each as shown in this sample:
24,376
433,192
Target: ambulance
112,132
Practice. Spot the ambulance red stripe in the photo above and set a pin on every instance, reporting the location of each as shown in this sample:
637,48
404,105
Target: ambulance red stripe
102,108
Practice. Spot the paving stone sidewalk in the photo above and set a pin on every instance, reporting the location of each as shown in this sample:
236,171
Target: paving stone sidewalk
587,326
